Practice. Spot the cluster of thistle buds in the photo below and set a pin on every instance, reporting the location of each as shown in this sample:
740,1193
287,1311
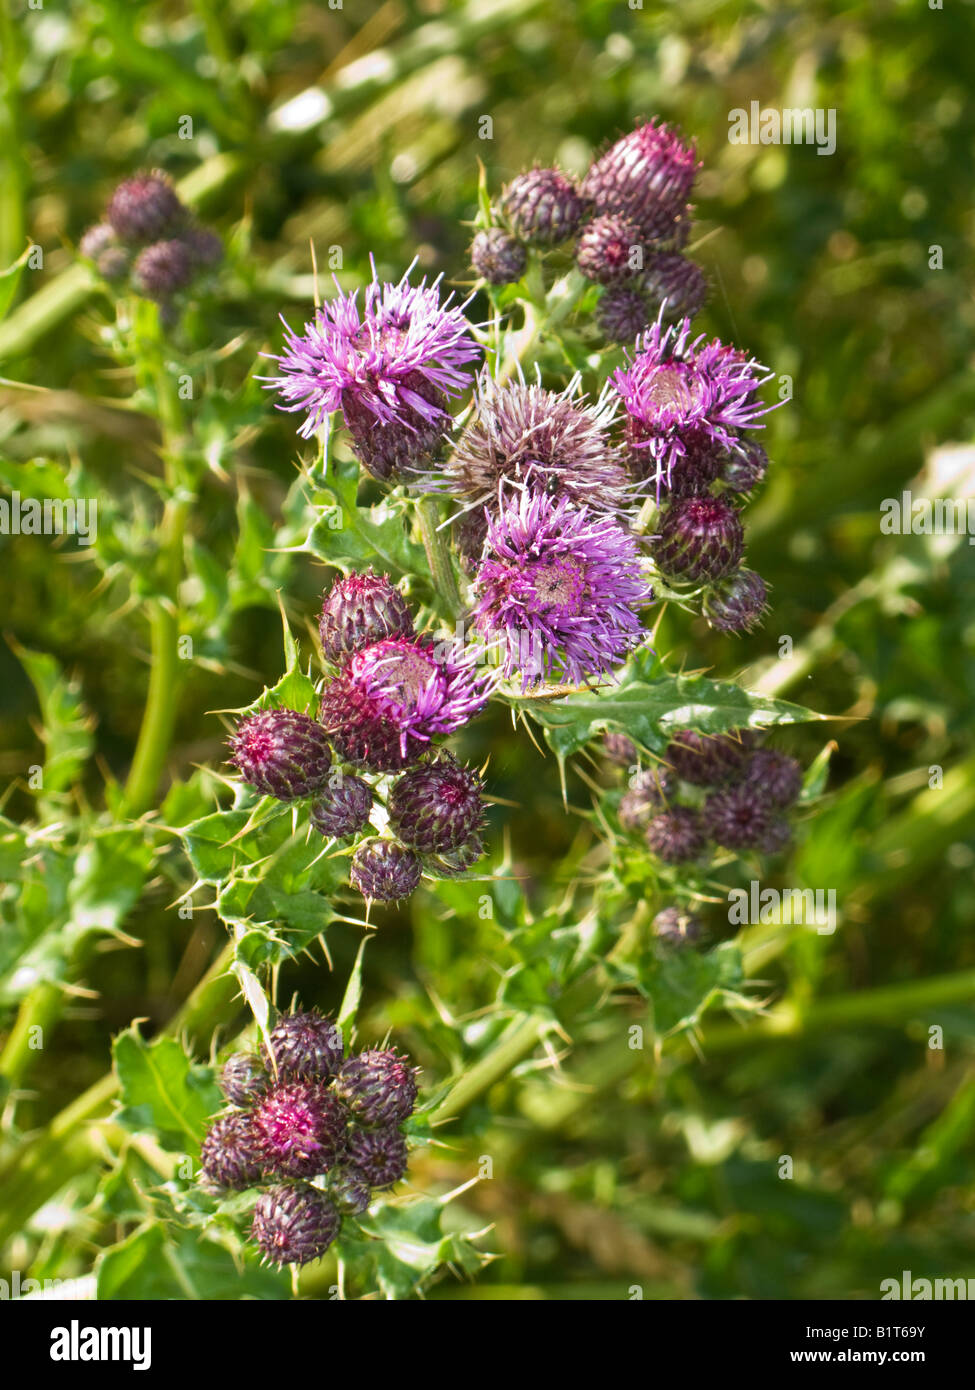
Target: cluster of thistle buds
149,241
371,753
707,790
318,1132
628,221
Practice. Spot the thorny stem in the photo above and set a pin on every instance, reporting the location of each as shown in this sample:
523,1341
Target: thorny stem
438,556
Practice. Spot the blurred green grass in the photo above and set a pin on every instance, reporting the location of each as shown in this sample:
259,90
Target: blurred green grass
358,128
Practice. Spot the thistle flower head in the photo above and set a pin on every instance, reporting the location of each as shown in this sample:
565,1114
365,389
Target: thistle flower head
294,1224
676,835
378,1086
610,249
162,269
302,1130
282,753
389,364
358,610
243,1079
675,286
682,394
497,256
145,207
392,698
738,817
343,809
303,1046
708,760
700,538
523,434
101,245
231,1153
380,1155
543,206
436,806
384,871
559,589
646,176
623,312
774,776
735,604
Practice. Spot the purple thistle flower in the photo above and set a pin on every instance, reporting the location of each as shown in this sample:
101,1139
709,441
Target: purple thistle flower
231,1154
526,435
497,256
738,817
774,776
391,365
361,609
682,395
619,749
646,176
343,809
777,836
162,269
700,538
623,312
559,589
301,1127
393,697
349,1190
282,753
607,249
543,206
380,1155
378,1086
384,871
735,604
436,806
304,1046
145,207
676,835
294,1224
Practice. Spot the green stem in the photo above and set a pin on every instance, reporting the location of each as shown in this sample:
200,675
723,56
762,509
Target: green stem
39,1009
438,556
518,1041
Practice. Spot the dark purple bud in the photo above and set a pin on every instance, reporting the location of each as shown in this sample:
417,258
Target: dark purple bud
302,1130
243,1079
647,176
378,1086
349,1190
294,1224
359,610
145,208
619,749
707,760
700,538
408,443
675,926
231,1153
305,1046
610,249
343,809
622,313
282,753
436,807
692,474
648,794
774,776
738,817
676,835
543,207
675,285
384,871
162,269
746,467
735,604
497,256
457,861
380,1155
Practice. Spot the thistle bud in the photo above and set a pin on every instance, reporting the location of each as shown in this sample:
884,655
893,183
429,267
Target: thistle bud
774,776
735,604
675,286
304,1046
162,269
145,208
100,244
302,1130
619,749
243,1079
676,835
282,754
344,809
622,313
404,445
498,257
707,760
738,818
378,1087
384,871
231,1154
380,1155
349,1190
435,807
646,176
543,207
675,926
359,610
701,538
294,1224
610,249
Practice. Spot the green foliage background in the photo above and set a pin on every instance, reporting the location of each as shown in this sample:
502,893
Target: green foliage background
358,127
